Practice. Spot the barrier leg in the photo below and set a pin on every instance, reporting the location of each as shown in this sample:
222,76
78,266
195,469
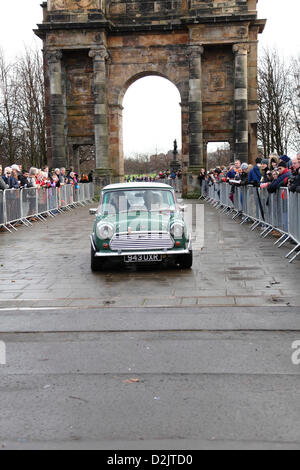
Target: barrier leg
39,216
269,230
287,237
238,214
280,239
295,256
25,222
28,222
255,225
14,228
244,220
292,251
6,228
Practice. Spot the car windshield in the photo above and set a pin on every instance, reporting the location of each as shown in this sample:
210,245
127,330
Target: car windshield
132,200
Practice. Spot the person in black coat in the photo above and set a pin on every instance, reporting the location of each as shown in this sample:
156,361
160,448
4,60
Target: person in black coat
295,185
282,180
264,170
13,182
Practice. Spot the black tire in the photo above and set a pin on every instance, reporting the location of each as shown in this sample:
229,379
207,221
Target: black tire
95,262
186,261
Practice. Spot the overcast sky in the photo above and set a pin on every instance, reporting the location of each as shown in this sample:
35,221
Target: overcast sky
146,128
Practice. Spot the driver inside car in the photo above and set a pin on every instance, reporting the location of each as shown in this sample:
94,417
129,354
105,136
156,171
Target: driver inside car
119,202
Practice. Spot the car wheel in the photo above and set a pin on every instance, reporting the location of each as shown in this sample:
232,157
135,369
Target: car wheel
95,262
186,261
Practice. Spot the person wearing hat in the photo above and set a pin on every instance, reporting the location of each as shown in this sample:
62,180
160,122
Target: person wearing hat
15,167
244,174
255,175
283,179
273,161
264,169
13,182
287,160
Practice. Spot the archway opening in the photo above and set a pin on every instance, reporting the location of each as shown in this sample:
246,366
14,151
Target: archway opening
151,122
218,154
81,158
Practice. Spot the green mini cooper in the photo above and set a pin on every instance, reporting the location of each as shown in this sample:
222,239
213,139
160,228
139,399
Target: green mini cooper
139,223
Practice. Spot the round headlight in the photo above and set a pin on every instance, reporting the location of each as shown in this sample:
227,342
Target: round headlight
177,230
105,231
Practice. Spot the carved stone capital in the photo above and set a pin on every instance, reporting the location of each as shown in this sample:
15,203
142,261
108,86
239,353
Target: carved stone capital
100,54
54,56
195,51
240,49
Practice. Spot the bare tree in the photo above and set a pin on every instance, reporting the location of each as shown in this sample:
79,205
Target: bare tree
8,113
141,164
22,116
294,90
220,157
30,100
274,110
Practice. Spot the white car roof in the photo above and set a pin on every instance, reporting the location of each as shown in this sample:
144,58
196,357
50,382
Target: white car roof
137,185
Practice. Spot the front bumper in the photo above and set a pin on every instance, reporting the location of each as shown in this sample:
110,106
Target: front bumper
109,254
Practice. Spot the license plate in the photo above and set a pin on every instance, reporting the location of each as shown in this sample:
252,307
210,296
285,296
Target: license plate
142,258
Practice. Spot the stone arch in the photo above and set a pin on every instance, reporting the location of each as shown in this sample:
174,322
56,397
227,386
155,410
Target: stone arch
144,74
116,115
207,49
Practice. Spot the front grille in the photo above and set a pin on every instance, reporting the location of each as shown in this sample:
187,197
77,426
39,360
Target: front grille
141,241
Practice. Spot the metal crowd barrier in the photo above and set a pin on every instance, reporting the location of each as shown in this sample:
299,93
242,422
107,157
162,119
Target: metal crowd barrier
278,211
21,205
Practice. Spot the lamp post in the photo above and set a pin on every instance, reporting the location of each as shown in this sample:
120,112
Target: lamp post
175,165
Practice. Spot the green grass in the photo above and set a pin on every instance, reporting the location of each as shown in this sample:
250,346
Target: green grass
151,175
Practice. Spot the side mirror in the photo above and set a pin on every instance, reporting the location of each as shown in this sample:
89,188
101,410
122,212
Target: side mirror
93,211
182,207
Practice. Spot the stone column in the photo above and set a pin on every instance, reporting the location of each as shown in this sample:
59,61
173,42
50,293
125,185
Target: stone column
116,142
76,158
241,150
103,170
195,119
195,109
185,143
205,162
185,134
57,109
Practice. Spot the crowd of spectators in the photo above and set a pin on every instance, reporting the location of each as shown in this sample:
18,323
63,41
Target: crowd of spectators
170,175
14,177
270,173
